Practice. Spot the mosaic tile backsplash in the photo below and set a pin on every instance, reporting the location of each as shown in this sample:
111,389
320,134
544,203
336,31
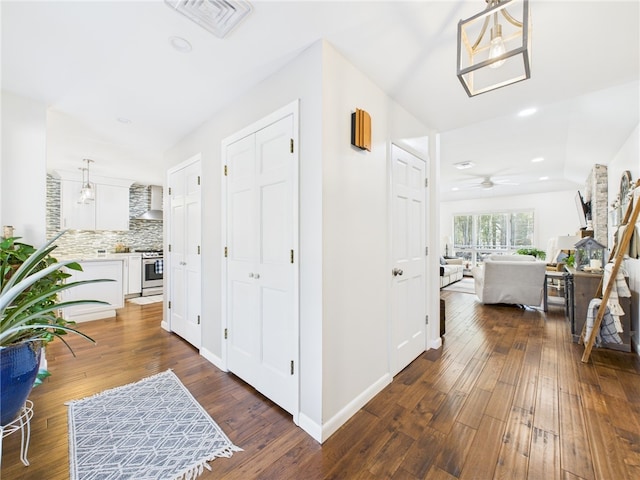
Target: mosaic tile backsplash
142,234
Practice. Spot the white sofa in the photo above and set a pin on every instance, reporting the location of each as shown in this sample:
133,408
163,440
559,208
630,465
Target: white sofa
514,279
451,271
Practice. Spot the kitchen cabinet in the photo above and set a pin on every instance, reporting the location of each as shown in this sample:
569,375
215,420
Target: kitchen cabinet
133,268
111,292
109,210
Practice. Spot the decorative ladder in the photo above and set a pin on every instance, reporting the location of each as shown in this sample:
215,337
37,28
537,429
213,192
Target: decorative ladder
617,254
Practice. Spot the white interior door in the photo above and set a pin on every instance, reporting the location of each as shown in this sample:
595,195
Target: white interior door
408,256
262,333
184,256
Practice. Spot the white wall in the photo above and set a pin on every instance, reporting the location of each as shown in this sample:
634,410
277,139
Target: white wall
301,79
628,158
356,266
23,167
344,266
554,212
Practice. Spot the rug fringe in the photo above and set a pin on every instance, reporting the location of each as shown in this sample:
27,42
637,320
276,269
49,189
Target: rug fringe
198,469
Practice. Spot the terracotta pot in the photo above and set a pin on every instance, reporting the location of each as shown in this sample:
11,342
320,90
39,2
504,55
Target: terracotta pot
19,366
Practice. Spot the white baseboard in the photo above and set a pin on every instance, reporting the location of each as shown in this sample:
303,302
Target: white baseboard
88,317
213,358
340,418
311,427
165,325
435,344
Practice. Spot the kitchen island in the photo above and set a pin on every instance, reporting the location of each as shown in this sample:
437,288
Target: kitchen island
112,266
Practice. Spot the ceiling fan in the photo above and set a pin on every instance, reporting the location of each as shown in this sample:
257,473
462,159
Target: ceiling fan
487,183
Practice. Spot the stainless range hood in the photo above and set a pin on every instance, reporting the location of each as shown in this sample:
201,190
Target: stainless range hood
155,212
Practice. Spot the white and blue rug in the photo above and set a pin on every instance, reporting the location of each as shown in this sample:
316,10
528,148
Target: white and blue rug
151,429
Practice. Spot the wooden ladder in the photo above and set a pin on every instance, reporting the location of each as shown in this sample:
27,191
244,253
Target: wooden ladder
617,254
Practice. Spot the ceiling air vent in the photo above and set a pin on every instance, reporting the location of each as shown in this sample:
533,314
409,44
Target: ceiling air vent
217,16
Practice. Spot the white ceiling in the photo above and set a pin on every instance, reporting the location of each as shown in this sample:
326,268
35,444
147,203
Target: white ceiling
93,62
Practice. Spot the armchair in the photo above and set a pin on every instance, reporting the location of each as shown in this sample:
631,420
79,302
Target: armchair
514,279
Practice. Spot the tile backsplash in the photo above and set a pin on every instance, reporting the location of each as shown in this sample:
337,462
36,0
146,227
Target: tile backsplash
142,234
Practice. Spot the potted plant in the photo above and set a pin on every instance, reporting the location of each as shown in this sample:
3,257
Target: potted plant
541,254
30,282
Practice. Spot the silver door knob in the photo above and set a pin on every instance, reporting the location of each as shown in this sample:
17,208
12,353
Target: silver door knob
397,271
256,275
250,275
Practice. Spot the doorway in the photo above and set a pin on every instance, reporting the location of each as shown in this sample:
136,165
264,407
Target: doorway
408,253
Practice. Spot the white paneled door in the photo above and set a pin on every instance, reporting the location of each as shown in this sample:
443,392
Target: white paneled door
408,257
261,275
184,231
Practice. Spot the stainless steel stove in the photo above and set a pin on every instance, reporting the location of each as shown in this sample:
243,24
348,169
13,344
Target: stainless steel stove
152,272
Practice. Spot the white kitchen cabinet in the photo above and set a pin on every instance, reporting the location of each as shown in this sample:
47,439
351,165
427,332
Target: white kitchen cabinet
109,210
134,275
112,207
111,292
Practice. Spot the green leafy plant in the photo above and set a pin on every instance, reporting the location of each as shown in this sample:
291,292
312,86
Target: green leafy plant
30,283
541,254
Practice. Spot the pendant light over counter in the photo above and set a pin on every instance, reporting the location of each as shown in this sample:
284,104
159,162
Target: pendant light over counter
88,191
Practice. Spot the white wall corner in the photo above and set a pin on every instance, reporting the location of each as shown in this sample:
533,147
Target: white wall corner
340,418
311,427
165,326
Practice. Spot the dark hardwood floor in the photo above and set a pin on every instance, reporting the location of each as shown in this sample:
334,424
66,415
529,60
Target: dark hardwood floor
505,397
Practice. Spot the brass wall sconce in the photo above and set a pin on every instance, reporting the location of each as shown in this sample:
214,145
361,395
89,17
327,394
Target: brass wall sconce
361,130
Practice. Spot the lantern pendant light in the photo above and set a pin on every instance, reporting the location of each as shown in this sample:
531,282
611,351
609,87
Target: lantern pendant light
87,192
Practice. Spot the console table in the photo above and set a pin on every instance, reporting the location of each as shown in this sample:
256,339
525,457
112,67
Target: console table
581,287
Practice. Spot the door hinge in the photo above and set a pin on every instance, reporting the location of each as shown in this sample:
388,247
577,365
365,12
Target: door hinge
426,319
291,256
169,190
169,304
426,251
225,170
426,182
198,249
226,251
226,333
291,145
198,179
169,247
198,319
292,370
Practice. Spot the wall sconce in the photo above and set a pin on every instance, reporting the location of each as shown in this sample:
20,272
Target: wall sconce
501,57
361,130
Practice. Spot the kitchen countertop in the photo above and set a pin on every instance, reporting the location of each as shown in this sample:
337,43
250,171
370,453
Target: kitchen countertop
97,257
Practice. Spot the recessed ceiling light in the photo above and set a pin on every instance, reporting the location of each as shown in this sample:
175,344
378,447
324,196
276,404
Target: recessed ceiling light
455,189
527,111
123,120
537,160
544,178
182,45
464,165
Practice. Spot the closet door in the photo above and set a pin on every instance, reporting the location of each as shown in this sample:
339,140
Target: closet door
261,274
184,256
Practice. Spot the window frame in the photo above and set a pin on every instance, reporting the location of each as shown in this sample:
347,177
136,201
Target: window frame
474,252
